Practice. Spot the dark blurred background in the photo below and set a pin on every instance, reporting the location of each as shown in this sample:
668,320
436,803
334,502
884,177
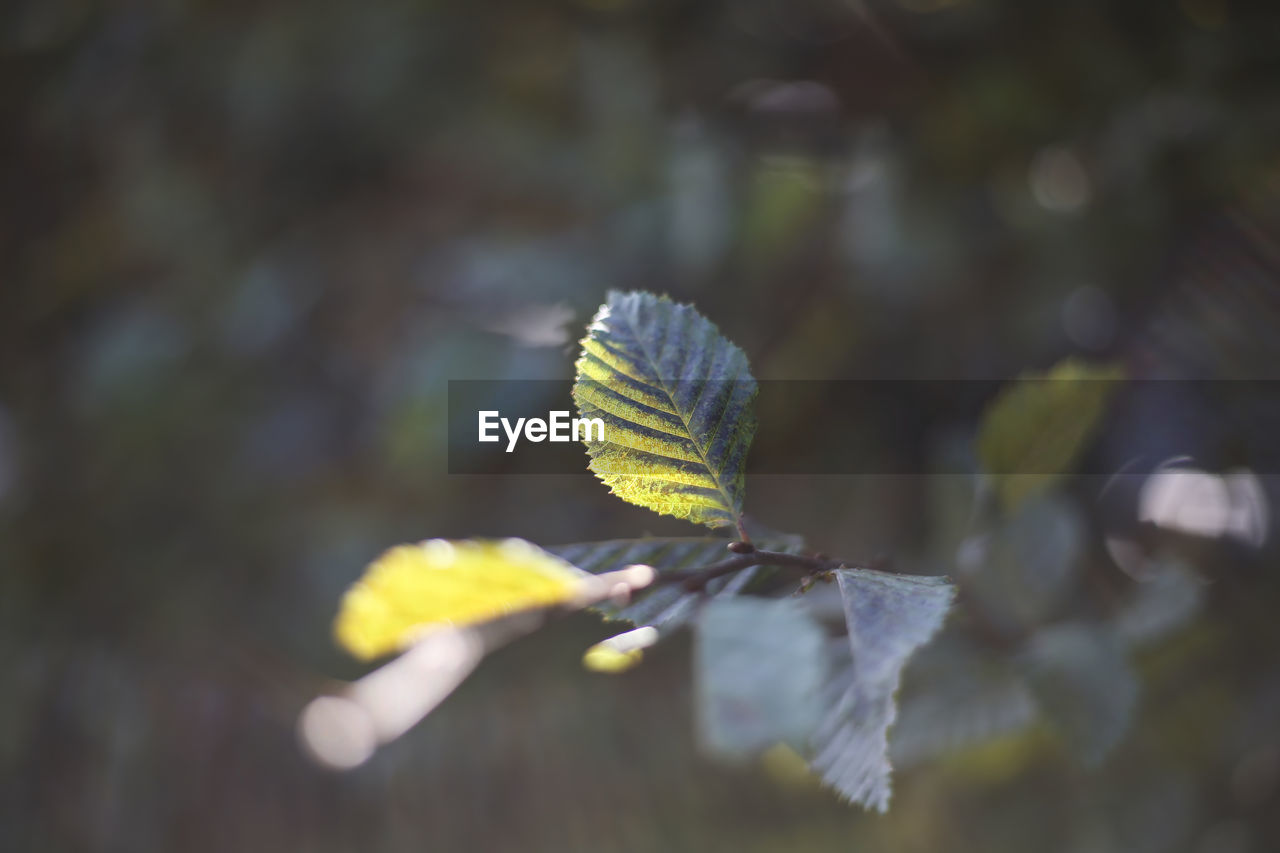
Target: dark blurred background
245,246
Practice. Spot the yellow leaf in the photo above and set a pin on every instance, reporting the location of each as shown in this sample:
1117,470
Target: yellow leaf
413,587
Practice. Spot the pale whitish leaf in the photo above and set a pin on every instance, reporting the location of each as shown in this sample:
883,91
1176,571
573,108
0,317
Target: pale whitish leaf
850,743
1083,685
888,617
759,668
676,400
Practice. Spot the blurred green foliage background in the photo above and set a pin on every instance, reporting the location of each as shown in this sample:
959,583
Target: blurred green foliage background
244,246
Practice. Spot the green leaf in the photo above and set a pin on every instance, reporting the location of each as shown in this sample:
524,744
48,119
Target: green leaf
783,198
759,666
413,587
889,617
676,398
1036,429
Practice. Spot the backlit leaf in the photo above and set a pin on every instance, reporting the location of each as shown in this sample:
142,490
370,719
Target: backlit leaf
676,398
1036,429
889,617
759,666
412,587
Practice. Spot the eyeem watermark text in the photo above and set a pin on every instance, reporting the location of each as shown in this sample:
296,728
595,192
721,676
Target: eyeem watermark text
557,427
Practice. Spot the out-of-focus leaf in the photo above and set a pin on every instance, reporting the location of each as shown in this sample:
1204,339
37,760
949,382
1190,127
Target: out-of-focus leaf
784,196
412,587
1036,429
1024,567
1161,605
676,398
1084,686
888,617
759,667
956,696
